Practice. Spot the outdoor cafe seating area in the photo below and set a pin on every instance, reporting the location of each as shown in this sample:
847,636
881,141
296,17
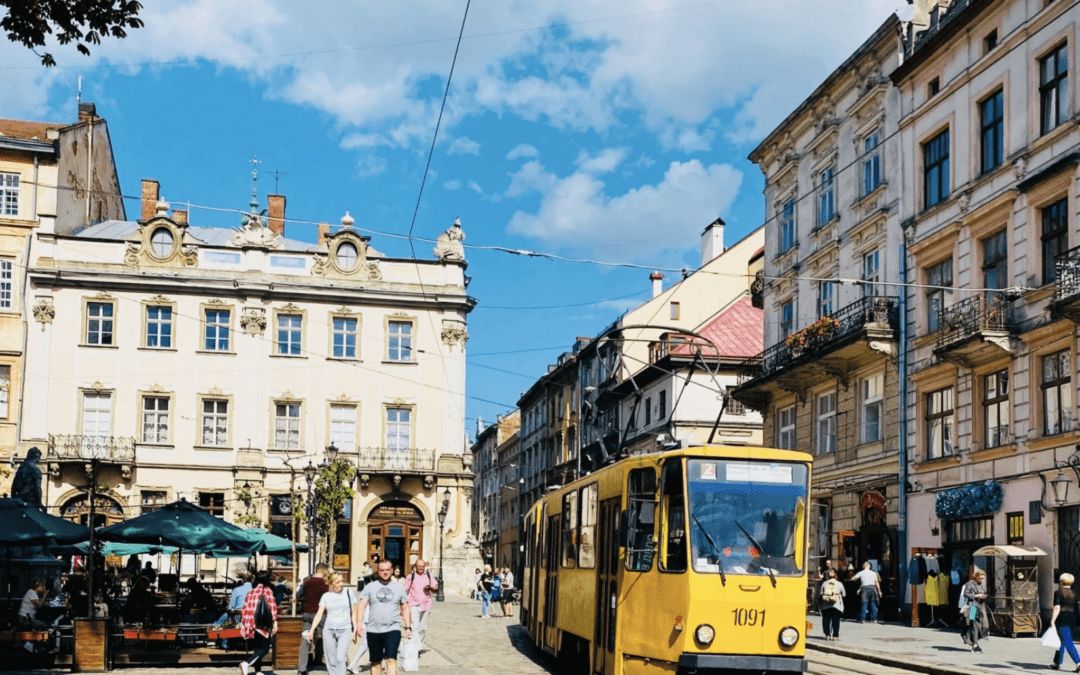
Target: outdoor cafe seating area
141,617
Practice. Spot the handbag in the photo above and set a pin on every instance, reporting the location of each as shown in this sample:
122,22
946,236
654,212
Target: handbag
1051,639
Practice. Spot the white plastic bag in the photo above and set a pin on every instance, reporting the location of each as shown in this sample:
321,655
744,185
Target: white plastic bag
410,656
1050,638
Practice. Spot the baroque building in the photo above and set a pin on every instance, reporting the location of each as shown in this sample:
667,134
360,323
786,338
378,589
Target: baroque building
489,453
215,365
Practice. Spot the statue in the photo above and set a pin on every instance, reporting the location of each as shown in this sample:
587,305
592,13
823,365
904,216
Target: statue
252,232
448,246
27,483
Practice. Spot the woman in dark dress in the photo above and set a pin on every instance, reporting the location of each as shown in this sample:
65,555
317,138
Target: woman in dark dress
1064,620
974,622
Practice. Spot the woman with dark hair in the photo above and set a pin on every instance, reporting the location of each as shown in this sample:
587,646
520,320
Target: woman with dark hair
255,625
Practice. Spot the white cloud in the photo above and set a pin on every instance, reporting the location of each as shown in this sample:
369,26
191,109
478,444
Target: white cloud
649,223
605,161
475,187
463,146
454,184
522,150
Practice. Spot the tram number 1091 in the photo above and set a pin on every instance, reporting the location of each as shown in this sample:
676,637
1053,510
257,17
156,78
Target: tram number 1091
749,617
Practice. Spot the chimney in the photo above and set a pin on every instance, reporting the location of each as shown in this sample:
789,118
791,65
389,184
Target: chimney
657,283
712,241
276,213
179,216
324,231
87,111
479,420
150,191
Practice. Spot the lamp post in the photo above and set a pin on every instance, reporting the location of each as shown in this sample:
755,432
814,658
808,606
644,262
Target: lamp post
309,475
440,593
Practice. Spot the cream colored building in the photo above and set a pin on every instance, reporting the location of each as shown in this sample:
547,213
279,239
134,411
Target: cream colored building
214,365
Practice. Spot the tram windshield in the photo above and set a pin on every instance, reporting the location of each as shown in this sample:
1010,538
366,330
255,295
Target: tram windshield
744,516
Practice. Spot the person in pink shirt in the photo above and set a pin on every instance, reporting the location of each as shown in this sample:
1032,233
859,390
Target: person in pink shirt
418,586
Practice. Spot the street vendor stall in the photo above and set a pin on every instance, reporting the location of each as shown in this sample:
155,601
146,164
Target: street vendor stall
1014,607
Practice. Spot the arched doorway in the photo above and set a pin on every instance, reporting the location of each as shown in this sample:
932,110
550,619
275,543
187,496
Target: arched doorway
107,511
396,533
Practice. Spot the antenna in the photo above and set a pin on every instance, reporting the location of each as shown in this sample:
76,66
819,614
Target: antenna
277,176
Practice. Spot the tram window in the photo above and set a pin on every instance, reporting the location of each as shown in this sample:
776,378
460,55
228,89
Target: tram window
570,529
587,546
640,519
673,501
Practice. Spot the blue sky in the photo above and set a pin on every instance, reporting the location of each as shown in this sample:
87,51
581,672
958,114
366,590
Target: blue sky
598,130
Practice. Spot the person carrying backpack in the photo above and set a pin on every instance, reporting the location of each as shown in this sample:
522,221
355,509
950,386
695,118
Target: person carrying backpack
832,605
259,621
496,588
419,586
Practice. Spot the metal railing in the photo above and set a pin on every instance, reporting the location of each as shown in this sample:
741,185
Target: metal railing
79,447
969,317
850,320
1068,275
390,459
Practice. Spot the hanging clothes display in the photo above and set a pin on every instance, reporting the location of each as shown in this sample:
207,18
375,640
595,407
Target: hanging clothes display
917,571
931,592
932,568
943,588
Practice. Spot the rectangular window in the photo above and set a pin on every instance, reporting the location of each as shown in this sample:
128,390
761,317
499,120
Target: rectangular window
400,343
973,529
343,427
344,337
7,280
825,298
826,196
673,555
9,194
641,519
661,406
648,410
990,41
215,423
99,323
287,426
934,88
939,278
787,318
675,311
871,163
936,169
1055,237
217,330
155,419
5,391
213,503
939,423
996,408
872,403
995,264
735,407
152,500
159,327
1054,88
97,414
282,516
826,423
1015,528
1056,392
787,226
398,429
290,334
992,123
871,273
589,509
569,529
785,428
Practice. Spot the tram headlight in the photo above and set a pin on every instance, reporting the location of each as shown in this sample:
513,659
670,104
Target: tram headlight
704,634
789,636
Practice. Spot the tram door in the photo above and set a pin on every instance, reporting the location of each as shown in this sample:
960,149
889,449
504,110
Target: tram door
607,591
551,584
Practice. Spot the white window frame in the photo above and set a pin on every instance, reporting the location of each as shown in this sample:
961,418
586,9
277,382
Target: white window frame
825,412
787,225
343,426
7,283
5,391
785,427
399,342
290,334
398,429
826,298
156,420
222,325
872,408
218,417
345,332
97,413
159,322
100,328
947,419
826,195
287,418
9,194
871,179
871,272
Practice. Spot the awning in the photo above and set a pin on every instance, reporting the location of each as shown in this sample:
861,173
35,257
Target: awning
1009,551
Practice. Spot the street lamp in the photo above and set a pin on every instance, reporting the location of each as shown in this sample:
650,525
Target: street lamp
1060,485
440,593
309,475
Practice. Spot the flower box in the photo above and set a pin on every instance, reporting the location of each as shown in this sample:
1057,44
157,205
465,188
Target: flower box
222,634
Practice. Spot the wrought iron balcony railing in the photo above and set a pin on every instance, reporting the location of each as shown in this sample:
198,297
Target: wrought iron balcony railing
969,317
1068,275
78,447
391,459
847,322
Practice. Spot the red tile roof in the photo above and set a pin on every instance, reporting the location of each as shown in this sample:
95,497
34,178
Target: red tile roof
28,130
738,331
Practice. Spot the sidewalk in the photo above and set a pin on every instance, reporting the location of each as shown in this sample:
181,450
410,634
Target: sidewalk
937,651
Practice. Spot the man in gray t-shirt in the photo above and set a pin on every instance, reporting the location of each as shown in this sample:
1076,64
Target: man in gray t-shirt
389,612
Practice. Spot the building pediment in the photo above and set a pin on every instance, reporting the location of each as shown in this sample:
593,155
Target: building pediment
161,241
346,254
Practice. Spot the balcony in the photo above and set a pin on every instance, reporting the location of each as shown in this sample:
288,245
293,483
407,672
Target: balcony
1066,301
974,331
75,449
398,463
852,337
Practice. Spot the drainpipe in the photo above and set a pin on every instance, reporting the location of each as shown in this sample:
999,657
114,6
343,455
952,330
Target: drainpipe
901,501
25,300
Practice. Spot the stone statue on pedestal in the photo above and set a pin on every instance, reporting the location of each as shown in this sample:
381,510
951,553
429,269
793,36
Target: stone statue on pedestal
27,483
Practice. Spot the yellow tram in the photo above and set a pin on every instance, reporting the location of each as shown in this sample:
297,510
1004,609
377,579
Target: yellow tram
688,561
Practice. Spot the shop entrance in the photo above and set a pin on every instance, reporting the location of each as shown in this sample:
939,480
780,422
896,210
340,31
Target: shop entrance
107,511
395,533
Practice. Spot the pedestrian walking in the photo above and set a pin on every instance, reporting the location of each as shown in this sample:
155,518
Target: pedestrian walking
973,620
832,605
389,611
309,595
483,588
418,587
506,596
340,607
475,595
1064,620
869,592
259,621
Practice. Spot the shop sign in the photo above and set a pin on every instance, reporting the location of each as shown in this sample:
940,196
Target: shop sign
874,507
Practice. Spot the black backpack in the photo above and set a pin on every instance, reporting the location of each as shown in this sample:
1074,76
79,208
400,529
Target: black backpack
264,618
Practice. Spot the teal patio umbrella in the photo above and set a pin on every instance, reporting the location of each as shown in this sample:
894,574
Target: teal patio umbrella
113,548
268,544
185,526
25,525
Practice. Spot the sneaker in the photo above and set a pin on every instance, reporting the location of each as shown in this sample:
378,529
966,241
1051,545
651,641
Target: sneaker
1054,666
244,667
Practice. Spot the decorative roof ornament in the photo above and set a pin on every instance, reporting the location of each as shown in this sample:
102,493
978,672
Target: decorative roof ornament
253,232
448,247
347,220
